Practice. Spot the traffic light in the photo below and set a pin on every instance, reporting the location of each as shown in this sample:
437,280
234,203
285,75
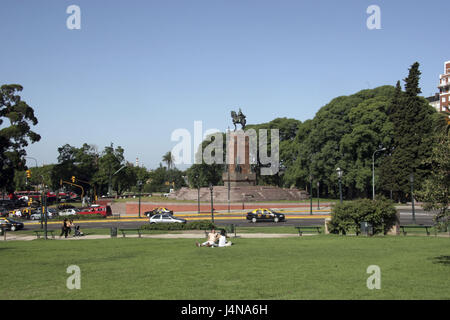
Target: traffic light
28,173
73,179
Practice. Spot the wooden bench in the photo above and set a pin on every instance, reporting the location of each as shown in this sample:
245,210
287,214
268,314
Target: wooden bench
38,233
416,226
299,229
124,231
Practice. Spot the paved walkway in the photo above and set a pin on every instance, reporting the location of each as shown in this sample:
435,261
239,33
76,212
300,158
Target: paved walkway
11,237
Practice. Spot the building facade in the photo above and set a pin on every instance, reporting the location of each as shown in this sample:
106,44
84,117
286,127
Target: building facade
435,102
444,88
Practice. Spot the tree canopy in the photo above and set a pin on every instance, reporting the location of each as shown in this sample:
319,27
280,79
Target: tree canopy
15,134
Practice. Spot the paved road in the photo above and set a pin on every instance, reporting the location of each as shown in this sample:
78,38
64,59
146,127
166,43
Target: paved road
293,218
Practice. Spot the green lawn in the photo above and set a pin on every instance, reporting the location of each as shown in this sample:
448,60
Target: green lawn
315,267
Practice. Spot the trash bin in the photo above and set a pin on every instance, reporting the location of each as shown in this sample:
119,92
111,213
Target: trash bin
2,231
113,232
366,228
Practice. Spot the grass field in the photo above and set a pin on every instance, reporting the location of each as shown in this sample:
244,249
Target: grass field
319,267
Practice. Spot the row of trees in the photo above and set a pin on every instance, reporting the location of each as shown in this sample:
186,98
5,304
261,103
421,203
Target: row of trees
104,172
346,133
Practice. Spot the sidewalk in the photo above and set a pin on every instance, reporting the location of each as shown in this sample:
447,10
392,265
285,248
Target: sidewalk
191,235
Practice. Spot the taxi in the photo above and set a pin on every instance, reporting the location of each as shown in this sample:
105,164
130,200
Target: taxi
158,210
265,215
9,224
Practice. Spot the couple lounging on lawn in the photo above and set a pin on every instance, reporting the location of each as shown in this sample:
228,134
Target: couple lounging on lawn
215,240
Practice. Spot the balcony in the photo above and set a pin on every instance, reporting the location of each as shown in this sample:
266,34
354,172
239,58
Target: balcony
443,84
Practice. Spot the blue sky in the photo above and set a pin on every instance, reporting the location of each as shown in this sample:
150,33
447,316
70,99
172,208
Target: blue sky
137,70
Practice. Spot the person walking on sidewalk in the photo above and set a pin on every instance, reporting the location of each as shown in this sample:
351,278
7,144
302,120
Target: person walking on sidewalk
64,228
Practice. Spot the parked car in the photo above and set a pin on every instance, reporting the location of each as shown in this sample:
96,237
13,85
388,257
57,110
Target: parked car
266,215
66,206
165,218
10,224
158,210
68,212
36,215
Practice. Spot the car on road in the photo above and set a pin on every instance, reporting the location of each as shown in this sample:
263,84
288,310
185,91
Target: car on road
158,210
165,218
36,215
10,224
68,212
265,215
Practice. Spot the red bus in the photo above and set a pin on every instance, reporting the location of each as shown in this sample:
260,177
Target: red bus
36,195
105,211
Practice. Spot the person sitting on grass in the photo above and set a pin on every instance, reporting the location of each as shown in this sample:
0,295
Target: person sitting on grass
223,240
212,238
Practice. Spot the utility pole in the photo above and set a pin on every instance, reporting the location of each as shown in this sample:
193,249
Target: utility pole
311,194
411,178
318,195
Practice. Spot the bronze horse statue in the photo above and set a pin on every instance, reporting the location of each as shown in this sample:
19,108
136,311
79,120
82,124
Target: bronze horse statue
238,118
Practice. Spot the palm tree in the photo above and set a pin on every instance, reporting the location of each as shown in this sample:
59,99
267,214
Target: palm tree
168,158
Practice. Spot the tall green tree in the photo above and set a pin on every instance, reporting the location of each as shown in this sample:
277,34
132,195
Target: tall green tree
436,189
110,161
16,119
412,117
344,133
80,162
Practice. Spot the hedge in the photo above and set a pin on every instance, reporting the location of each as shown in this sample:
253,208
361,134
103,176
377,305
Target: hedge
194,225
348,216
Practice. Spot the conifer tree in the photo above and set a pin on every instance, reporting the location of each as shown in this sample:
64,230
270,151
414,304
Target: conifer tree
413,132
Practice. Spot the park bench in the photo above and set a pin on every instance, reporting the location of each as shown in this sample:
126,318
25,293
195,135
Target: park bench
39,232
300,228
124,231
416,226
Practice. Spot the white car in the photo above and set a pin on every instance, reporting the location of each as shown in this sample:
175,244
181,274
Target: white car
165,218
37,215
68,212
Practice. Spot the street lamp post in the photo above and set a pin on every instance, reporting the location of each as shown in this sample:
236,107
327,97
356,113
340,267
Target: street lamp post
140,189
198,192
45,212
340,172
212,205
318,195
229,187
310,194
373,172
411,179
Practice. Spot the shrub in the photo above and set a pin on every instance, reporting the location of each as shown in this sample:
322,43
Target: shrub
194,225
348,216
